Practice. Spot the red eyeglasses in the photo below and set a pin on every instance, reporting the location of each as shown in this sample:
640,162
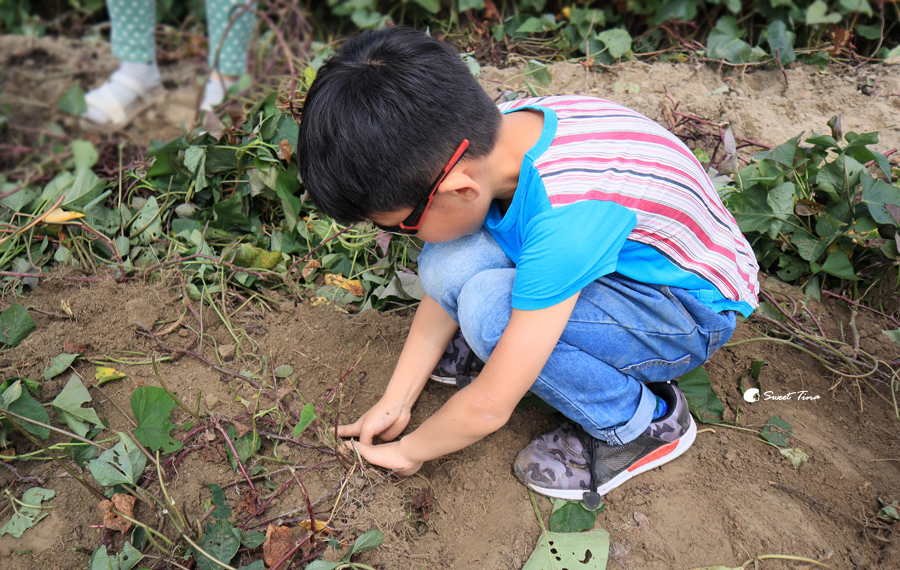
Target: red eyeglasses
410,226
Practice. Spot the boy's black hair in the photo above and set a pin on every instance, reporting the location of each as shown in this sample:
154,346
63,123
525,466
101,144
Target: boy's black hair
383,117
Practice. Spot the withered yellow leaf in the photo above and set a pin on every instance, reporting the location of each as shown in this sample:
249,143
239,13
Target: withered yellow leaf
60,216
105,374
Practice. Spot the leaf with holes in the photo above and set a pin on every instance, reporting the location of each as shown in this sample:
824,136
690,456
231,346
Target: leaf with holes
68,407
151,407
125,560
570,550
221,542
26,517
121,465
777,431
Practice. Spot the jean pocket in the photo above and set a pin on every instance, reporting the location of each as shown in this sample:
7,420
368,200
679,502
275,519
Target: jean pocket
658,369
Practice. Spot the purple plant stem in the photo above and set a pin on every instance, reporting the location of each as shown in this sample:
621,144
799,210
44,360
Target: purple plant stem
236,458
858,304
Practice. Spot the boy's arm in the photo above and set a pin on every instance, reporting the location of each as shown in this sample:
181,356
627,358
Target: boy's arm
430,333
485,405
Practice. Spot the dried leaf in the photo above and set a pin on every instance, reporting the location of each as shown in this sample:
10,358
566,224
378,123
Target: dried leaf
320,525
354,286
490,11
310,268
248,502
284,150
213,125
60,216
241,428
66,307
421,503
121,503
278,543
77,347
106,374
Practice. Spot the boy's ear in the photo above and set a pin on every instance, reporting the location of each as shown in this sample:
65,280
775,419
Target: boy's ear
460,184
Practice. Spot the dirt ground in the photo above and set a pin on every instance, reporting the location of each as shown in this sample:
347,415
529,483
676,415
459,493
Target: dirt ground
729,498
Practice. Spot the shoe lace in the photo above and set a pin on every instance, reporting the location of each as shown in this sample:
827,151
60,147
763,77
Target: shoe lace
592,499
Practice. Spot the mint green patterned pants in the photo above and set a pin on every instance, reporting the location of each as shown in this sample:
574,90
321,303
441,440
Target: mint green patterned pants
132,33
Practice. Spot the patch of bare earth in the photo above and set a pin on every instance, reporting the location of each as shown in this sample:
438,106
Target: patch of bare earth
729,498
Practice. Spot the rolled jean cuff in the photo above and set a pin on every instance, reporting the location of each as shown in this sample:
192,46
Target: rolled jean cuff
634,427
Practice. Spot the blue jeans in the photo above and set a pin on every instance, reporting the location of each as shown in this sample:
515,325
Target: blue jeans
622,333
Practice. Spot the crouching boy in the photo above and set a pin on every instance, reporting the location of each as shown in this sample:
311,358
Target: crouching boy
578,246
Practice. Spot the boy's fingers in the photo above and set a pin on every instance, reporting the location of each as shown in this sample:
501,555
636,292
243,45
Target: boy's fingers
349,430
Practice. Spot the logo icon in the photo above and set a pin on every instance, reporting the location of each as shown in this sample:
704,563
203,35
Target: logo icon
751,395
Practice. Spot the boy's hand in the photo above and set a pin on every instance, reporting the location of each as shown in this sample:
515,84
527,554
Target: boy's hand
386,455
385,420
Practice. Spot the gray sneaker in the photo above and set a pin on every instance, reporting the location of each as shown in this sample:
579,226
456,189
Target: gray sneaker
570,464
459,365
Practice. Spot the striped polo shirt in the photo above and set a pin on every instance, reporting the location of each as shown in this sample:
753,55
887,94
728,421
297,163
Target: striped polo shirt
605,189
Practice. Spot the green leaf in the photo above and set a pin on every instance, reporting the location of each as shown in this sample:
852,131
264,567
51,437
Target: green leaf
72,101
246,445
570,550
322,565
218,499
366,541
471,5
724,42
68,407
26,517
756,368
781,200
617,41
838,264
893,335
307,416
82,453
125,560
84,153
284,371
151,407
121,465
571,516
222,542
776,431
252,539
538,72
147,225
817,14
431,6
59,364
20,402
751,209
15,325
257,565
702,400
796,455
781,42
782,154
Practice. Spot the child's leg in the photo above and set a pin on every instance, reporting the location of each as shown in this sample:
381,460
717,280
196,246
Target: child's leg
137,81
132,30
621,334
227,51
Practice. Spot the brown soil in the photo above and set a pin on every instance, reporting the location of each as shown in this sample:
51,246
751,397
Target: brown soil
726,500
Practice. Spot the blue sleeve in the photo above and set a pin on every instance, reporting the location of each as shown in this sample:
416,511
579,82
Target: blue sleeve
568,247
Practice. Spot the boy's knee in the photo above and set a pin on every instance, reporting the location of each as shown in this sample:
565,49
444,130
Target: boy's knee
444,268
485,306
